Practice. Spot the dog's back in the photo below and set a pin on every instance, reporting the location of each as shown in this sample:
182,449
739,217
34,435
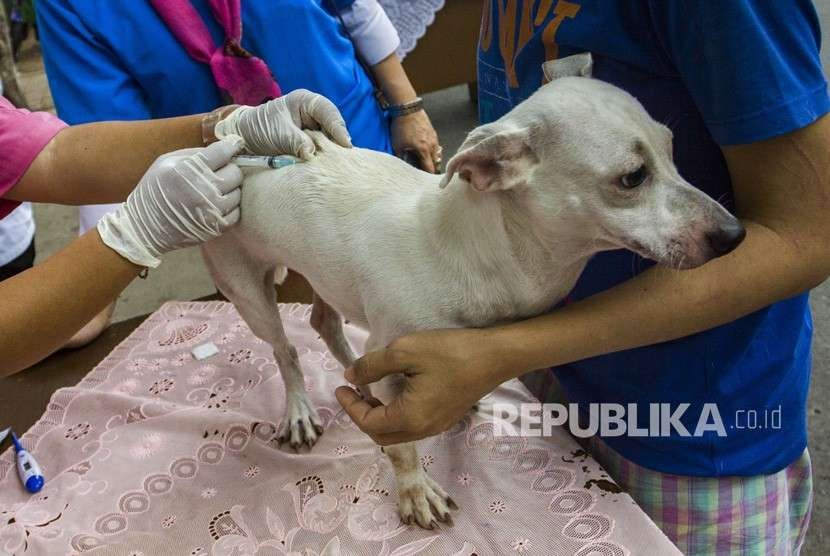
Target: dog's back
315,197
312,218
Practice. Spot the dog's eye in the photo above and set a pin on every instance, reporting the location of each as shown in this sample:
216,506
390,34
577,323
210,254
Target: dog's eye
635,178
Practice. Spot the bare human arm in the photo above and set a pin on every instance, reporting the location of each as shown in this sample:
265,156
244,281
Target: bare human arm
93,163
782,194
413,132
184,198
102,162
36,314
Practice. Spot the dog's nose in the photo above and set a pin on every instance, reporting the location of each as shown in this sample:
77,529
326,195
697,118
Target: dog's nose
726,238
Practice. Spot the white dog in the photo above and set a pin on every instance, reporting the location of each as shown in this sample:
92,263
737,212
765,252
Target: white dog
577,168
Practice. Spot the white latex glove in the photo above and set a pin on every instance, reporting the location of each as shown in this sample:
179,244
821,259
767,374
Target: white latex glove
185,198
276,127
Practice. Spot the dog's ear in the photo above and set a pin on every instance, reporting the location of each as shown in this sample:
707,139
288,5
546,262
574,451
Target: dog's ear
493,161
578,65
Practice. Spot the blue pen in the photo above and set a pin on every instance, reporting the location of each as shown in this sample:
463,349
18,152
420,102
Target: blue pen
27,468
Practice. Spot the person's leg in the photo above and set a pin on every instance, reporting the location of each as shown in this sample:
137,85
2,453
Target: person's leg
766,514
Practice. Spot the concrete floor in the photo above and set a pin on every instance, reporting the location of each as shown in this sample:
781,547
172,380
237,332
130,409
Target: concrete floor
183,276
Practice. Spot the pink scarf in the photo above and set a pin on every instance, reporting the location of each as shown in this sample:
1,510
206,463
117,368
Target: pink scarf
243,77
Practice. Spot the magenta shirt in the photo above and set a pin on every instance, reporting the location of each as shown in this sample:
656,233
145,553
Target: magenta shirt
23,135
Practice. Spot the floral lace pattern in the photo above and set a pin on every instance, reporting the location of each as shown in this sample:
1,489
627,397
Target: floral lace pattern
156,453
411,18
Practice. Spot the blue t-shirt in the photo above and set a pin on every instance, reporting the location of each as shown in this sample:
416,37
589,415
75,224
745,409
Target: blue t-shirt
110,60
717,73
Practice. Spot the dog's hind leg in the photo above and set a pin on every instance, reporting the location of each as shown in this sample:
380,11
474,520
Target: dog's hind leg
329,325
249,285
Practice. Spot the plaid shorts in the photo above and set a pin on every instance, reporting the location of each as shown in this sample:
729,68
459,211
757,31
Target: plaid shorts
764,514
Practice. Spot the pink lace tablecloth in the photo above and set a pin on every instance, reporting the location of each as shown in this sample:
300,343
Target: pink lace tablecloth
411,19
156,453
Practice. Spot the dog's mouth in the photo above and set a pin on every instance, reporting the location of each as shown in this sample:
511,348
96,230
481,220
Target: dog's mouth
675,254
684,253
640,249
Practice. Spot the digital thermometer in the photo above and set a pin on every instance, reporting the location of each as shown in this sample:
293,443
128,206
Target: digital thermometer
27,468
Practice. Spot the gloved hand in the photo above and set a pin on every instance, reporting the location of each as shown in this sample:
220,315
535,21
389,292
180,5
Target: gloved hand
185,198
276,127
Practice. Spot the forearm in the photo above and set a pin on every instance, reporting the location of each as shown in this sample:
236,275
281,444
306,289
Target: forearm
40,309
393,80
661,304
102,162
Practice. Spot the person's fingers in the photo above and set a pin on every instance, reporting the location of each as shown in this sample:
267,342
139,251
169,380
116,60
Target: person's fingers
219,154
425,156
179,154
389,439
232,217
229,177
374,366
298,143
307,148
367,415
326,115
230,201
436,156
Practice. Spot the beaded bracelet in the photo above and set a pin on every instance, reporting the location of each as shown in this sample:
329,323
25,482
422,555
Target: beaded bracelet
396,110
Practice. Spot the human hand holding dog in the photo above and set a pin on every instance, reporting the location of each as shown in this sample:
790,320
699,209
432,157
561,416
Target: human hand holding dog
411,132
414,133
276,127
447,372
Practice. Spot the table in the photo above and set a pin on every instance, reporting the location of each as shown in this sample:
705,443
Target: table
23,396
155,452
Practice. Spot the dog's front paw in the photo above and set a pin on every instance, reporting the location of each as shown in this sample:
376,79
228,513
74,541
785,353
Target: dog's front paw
301,424
423,501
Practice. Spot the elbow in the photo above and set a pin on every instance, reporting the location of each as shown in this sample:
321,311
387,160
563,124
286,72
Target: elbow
813,282
805,256
818,276
821,262
815,268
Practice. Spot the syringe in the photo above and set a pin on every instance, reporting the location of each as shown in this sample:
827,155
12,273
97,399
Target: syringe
255,161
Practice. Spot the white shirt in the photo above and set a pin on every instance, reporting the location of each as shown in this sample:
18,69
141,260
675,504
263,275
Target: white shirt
16,233
371,30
